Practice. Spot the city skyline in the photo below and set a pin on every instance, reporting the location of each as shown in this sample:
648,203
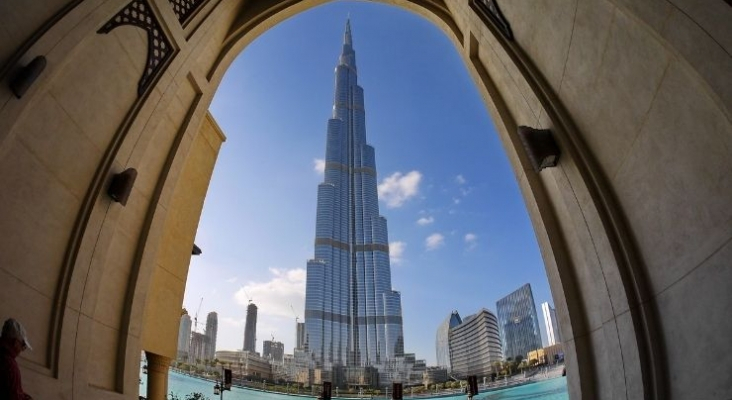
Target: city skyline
460,237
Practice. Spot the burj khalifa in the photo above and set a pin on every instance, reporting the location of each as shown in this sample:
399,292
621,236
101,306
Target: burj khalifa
353,317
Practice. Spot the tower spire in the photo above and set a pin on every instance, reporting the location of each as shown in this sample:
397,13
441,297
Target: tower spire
348,56
347,35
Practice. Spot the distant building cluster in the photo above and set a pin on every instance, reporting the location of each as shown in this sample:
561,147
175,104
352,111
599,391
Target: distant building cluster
194,346
473,345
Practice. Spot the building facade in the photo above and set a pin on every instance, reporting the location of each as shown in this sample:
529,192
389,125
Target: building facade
198,348
518,323
212,327
353,318
250,329
553,336
273,351
245,365
184,336
442,342
300,335
475,345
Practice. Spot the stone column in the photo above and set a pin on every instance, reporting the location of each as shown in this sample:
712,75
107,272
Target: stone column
157,376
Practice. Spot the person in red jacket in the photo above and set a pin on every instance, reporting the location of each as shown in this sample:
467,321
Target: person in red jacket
13,341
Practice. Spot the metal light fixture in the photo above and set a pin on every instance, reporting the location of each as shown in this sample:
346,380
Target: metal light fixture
540,146
196,250
121,186
24,78
217,389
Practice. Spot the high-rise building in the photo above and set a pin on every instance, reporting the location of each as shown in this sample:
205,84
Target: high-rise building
212,327
353,317
300,339
550,322
250,329
475,344
518,323
273,351
198,348
184,336
442,342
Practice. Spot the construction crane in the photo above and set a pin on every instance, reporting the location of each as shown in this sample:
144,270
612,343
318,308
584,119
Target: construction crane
195,318
294,313
247,294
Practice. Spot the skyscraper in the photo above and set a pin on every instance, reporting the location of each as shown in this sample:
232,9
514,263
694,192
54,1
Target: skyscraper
184,336
550,321
518,323
352,315
300,338
442,342
475,344
212,327
250,329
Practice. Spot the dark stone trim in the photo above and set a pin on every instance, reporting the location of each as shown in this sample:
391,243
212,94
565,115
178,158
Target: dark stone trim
488,10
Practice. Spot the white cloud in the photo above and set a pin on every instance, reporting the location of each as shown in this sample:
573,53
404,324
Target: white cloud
396,251
285,288
398,188
455,200
319,165
460,179
471,240
425,221
231,280
434,241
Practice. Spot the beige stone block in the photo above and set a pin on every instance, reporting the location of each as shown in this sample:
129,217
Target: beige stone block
103,356
612,110
712,17
19,19
675,186
39,212
70,155
114,283
519,97
150,117
696,327
629,351
585,263
101,63
543,29
160,332
155,159
33,310
652,13
708,57
608,357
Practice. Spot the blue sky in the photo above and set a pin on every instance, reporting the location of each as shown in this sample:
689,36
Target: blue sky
460,237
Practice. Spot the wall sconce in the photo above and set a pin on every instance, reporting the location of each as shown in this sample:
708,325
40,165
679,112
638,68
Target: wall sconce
24,78
540,146
121,186
196,250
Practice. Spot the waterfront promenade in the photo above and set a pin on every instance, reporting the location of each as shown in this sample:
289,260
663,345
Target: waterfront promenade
549,385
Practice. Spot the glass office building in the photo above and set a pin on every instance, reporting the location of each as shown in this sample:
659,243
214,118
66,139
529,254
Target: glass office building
518,323
550,324
475,345
442,341
352,316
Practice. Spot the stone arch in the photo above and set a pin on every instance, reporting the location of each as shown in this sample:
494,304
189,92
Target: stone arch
632,223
